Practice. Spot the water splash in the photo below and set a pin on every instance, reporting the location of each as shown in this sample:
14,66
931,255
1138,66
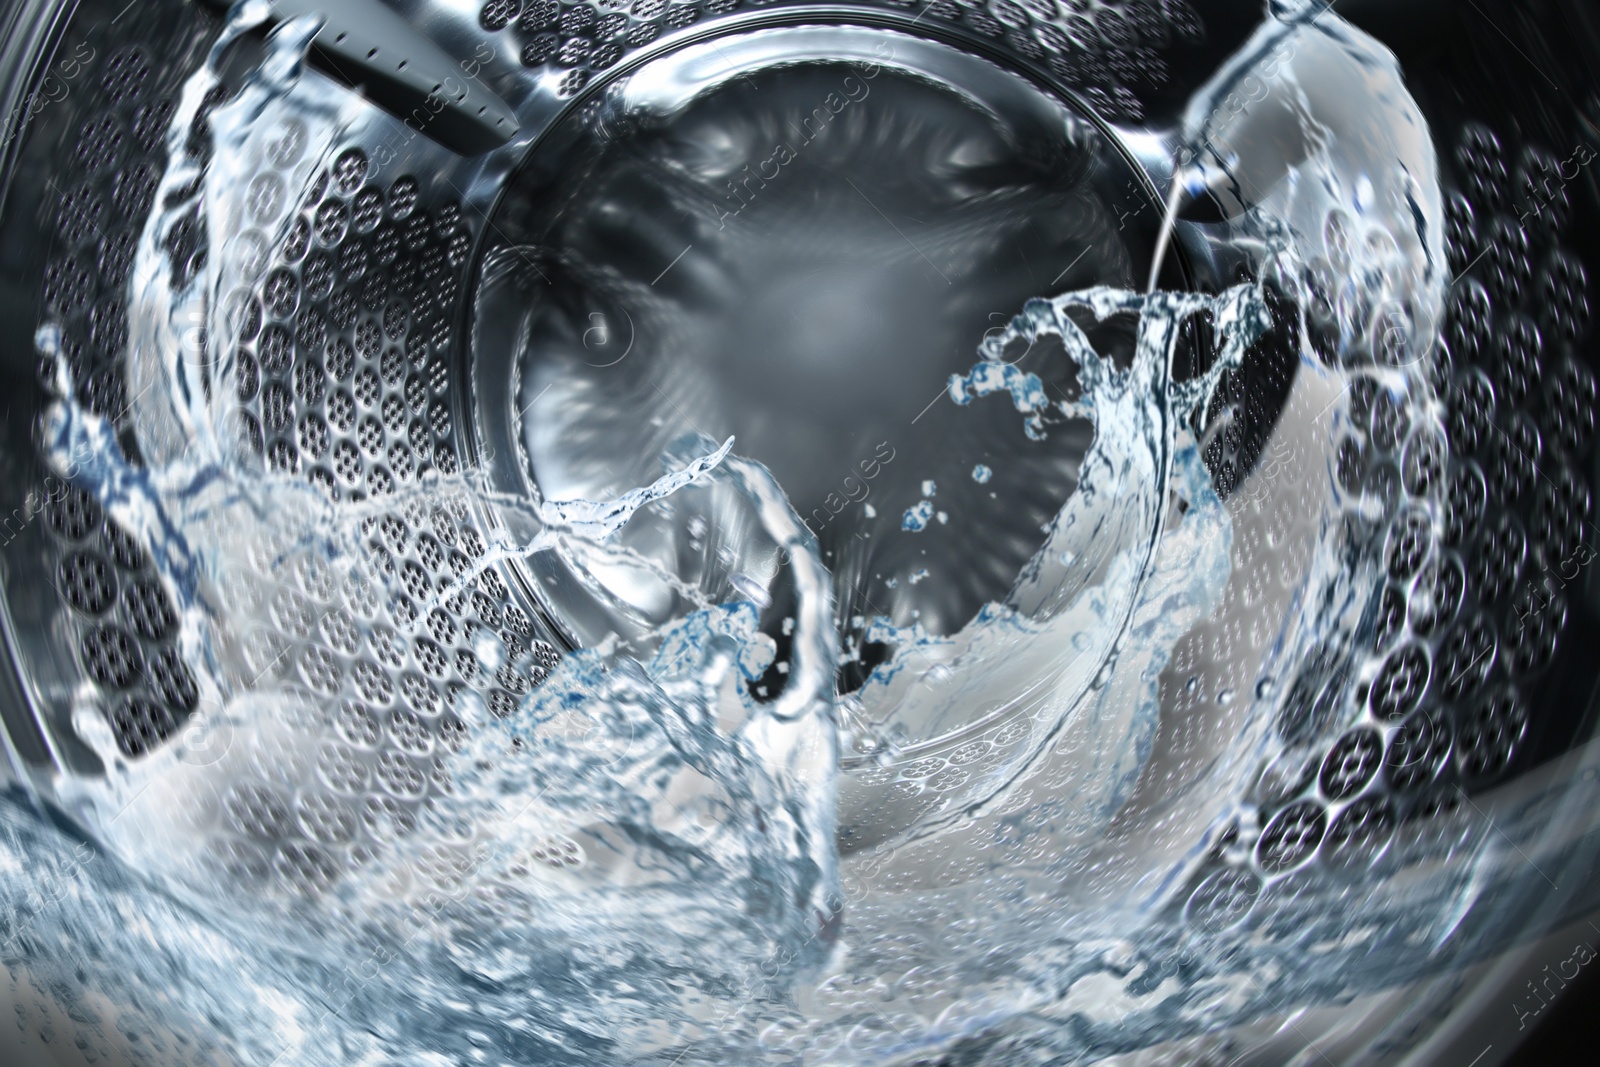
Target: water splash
639,860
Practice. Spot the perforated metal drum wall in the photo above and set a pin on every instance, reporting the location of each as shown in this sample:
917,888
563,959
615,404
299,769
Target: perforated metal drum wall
1470,667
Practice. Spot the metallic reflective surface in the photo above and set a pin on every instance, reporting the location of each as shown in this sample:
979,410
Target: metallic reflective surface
793,235
721,254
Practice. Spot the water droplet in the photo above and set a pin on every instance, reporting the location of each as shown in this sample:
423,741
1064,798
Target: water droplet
751,589
491,651
1364,194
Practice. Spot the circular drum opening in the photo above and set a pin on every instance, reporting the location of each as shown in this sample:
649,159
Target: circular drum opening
795,238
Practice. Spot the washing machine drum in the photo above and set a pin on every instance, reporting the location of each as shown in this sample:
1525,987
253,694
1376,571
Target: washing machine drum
724,531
